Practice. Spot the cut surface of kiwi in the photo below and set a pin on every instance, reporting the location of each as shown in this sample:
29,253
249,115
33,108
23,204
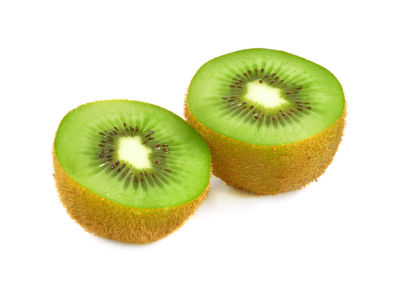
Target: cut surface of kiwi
273,120
139,159
265,97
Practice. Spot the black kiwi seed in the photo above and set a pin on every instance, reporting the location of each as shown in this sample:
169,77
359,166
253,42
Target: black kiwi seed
290,89
118,167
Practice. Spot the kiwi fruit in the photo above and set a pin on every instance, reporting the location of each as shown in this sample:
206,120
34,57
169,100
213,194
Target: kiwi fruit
129,171
273,120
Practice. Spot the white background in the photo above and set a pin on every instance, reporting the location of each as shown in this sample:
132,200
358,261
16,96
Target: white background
56,55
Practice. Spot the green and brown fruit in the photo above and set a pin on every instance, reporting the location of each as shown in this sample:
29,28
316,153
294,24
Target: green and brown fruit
273,120
129,171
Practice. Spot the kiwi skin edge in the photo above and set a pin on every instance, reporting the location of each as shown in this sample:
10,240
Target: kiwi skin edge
115,221
265,169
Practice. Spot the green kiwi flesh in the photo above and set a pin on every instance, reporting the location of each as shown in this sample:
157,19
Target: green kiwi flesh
132,153
265,97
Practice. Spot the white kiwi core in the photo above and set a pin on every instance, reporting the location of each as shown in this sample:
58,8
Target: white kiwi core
133,151
264,95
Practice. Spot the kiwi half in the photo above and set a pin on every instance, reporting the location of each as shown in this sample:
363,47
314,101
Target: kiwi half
129,171
273,120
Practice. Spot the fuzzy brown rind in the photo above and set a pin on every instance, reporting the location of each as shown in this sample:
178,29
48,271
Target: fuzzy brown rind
115,221
266,169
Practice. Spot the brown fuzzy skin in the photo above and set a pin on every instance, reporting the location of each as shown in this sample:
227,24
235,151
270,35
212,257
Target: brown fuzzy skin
115,221
268,170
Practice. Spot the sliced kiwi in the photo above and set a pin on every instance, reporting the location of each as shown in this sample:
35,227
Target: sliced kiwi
273,120
129,171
